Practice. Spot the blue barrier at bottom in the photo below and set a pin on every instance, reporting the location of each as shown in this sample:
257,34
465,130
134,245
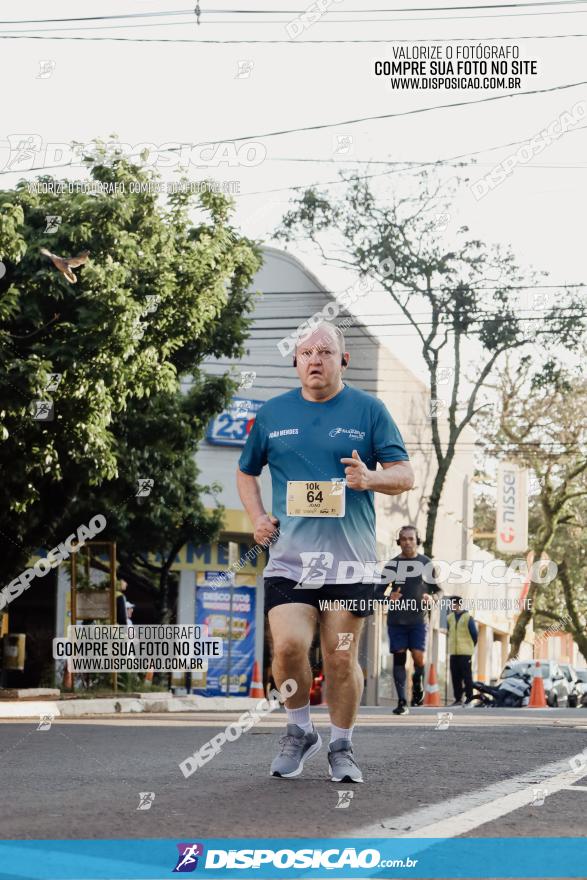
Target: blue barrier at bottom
308,858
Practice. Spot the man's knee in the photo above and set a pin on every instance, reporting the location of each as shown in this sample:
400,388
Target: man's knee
341,663
399,658
290,649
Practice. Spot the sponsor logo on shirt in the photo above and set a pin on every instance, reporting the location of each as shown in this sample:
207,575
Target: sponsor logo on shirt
352,432
283,433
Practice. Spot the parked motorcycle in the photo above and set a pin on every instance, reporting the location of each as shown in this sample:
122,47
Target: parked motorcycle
513,692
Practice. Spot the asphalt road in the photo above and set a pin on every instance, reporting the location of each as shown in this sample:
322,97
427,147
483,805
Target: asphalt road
83,779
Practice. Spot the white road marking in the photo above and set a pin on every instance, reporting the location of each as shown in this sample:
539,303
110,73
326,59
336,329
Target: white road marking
457,816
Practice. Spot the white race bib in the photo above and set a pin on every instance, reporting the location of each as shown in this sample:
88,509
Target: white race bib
316,498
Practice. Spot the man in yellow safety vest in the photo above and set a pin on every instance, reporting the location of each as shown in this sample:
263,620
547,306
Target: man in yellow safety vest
462,638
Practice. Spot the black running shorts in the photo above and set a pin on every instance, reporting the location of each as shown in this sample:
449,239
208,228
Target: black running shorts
356,598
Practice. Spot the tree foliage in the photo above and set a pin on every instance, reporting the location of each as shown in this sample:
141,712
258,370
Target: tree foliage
543,427
165,286
451,296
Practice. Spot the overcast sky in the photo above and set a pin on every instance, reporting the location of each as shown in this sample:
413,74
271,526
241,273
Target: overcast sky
158,92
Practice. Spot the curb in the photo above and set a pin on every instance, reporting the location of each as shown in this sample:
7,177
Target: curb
124,706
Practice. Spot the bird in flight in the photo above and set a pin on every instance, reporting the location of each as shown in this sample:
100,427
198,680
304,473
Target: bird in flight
66,264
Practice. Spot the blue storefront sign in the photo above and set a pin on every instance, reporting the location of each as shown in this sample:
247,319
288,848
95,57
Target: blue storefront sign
232,426
213,609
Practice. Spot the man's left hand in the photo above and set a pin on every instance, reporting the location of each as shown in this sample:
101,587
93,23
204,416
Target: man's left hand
358,475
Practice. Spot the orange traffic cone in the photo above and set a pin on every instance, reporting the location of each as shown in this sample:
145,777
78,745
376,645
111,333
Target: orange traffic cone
148,676
256,690
537,695
432,695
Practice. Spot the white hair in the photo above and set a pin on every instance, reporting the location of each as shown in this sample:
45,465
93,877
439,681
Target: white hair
332,329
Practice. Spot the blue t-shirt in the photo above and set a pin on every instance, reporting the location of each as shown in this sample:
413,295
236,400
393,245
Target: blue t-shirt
304,440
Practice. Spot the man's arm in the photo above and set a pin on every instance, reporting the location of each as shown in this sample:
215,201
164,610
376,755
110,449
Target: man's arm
394,478
265,527
473,630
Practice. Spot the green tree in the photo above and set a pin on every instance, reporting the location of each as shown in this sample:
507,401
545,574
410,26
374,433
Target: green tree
159,292
543,427
450,296
563,602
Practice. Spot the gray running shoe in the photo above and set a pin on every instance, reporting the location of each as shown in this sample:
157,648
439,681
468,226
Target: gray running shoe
295,748
343,767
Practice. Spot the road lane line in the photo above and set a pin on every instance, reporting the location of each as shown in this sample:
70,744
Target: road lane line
457,816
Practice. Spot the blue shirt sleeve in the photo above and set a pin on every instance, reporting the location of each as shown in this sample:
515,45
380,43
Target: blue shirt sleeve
254,456
388,443
473,629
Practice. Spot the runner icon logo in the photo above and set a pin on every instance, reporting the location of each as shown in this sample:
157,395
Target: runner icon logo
344,799
187,859
444,719
146,799
45,722
314,569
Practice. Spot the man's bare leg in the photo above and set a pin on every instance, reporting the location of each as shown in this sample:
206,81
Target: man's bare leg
344,686
344,676
292,630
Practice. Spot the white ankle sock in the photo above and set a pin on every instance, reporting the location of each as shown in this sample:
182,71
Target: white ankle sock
340,732
301,717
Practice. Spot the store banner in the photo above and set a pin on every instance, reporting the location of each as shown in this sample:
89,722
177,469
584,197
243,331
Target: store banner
511,509
233,425
213,610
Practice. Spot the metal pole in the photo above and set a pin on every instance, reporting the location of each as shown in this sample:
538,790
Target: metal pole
112,548
232,558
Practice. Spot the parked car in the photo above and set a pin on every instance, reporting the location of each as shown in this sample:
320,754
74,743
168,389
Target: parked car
582,676
575,685
556,686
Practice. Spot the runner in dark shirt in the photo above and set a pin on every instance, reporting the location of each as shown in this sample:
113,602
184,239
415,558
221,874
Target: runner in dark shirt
410,583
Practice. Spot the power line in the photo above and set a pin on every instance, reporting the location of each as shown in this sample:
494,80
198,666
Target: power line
410,8
363,320
442,327
405,164
323,21
354,121
241,11
290,42
416,167
100,17
499,287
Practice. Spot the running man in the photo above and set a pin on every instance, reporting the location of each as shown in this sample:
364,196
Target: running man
412,576
322,443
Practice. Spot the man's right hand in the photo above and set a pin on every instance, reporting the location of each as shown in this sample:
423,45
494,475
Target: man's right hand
266,528
395,596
